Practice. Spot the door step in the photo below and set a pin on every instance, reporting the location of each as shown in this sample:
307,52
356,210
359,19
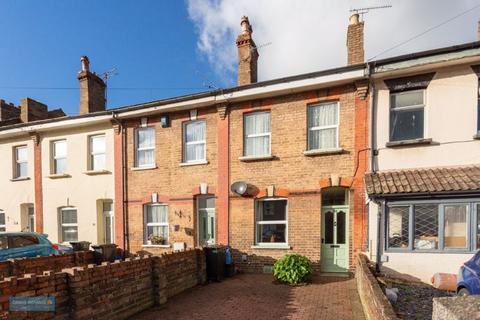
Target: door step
335,274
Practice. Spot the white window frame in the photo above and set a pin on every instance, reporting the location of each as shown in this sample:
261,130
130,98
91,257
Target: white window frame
256,135
138,149
18,162
320,128
92,154
3,226
62,225
264,222
185,143
55,158
408,108
147,224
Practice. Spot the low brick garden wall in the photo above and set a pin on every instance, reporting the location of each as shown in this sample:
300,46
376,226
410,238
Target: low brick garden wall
375,304
18,267
115,290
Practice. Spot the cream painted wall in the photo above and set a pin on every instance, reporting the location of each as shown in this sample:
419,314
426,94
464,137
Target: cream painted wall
450,121
14,194
79,190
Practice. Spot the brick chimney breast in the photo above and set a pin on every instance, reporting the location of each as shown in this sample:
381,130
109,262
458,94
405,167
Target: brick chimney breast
92,89
355,50
31,110
247,54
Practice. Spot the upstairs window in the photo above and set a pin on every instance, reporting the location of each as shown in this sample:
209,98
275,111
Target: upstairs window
323,126
145,145
257,134
407,115
97,153
59,156
21,162
194,142
478,107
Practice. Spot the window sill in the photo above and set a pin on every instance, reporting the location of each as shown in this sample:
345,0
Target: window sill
156,246
256,158
144,168
193,163
323,152
96,172
59,176
272,246
20,179
408,143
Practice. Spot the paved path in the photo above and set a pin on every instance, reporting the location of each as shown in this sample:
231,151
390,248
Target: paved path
250,296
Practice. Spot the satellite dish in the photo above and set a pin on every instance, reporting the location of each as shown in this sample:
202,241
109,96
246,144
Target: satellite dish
242,188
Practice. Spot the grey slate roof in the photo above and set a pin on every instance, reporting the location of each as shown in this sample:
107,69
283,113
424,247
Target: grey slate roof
425,180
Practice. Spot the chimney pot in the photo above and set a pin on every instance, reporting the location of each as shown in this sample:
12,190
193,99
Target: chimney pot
247,54
92,89
354,19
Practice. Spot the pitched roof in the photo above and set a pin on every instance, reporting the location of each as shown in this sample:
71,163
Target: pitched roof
425,180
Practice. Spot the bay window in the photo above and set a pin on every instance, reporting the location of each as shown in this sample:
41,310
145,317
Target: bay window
433,226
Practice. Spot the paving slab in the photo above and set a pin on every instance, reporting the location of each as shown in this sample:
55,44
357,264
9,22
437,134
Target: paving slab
257,296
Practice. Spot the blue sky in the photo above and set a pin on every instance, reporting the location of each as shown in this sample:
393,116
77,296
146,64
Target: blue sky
169,48
151,43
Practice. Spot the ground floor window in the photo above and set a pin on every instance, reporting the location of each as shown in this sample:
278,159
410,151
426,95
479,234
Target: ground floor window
446,225
271,221
3,227
68,224
156,224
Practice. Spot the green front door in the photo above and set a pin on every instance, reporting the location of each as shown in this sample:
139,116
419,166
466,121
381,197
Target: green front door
334,239
206,221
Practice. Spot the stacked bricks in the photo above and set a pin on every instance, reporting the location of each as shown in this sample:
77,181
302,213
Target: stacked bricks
18,267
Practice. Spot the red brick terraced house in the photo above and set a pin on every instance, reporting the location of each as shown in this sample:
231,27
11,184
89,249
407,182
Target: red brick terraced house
269,168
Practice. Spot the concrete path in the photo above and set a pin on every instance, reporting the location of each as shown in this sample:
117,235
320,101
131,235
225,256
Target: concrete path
253,296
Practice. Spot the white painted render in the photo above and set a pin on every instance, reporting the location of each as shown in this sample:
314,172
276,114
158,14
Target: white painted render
79,190
15,195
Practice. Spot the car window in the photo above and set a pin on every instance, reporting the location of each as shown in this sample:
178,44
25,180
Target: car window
22,241
3,242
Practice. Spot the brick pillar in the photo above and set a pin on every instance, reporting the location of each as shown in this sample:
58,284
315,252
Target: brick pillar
118,178
37,180
361,166
223,175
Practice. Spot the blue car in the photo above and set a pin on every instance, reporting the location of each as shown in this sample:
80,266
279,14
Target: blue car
25,245
468,280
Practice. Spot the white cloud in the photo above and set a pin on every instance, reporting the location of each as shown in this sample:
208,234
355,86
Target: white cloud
309,35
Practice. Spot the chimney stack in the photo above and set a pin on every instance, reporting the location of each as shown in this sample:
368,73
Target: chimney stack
92,89
31,110
8,111
355,49
478,30
247,54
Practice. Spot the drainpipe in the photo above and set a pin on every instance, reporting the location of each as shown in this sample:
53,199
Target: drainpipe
373,127
381,214
124,187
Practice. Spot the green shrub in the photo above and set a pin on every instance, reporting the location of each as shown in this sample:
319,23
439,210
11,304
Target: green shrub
292,269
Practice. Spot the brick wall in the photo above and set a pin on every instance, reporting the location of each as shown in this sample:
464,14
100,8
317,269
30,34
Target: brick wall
18,267
375,303
108,291
176,185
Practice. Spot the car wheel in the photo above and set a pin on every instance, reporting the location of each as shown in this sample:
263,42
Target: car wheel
463,292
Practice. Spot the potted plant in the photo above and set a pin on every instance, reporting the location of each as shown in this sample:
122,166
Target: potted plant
157,240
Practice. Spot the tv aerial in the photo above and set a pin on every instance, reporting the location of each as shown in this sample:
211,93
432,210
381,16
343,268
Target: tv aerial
362,11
